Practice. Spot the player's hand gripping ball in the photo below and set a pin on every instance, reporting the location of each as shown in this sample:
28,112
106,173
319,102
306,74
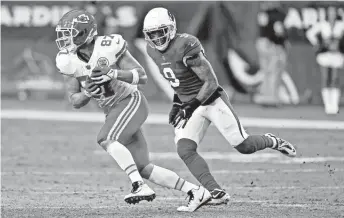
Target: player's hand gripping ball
101,75
92,89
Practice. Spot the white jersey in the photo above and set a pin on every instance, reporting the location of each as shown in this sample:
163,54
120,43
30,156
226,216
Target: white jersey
107,50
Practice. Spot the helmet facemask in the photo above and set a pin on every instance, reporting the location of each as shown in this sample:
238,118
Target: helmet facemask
160,37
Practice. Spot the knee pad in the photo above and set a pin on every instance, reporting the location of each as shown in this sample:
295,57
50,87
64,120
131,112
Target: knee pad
146,171
246,147
186,148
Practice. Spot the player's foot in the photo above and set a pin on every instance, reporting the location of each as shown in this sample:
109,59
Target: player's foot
218,197
282,145
139,193
197,198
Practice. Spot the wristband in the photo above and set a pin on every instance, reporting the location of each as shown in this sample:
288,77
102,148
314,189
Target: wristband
194,103
113,73
136,77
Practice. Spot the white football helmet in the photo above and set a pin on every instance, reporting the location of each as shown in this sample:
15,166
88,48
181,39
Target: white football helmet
159,28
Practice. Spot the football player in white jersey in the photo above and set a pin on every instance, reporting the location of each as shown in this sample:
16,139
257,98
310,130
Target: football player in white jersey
104,69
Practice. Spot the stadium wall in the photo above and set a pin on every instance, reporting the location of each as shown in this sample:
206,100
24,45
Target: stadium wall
31,25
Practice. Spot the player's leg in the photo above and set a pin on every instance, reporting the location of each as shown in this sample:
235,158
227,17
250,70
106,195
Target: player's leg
187,140
329,63
330,89
108,137
164,177
221,113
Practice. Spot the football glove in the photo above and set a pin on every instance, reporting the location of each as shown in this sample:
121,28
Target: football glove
102,75
92,89
185,112
177,104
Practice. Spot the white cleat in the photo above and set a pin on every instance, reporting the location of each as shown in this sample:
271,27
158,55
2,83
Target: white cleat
283,146
218,197
197,198
139,193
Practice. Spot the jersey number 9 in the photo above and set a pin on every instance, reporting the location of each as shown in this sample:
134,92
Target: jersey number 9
171,77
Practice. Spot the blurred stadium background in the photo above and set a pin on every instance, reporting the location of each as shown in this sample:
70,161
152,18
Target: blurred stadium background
28,48
52,167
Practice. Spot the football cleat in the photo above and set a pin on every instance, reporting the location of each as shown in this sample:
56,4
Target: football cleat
139,193
197,198
218,197
282,145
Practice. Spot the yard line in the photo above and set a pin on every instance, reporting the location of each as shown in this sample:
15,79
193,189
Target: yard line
155,118
88,173
113,189
265,203
236,157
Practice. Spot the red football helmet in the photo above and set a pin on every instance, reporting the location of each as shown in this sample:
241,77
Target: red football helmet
74,29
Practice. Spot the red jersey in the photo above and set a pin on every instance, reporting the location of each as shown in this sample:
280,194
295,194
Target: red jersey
173,67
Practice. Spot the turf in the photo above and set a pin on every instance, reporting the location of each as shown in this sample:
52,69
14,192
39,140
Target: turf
56,169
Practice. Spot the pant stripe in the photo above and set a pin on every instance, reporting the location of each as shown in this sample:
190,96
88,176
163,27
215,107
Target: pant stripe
119,118
235,116
130,115
124,119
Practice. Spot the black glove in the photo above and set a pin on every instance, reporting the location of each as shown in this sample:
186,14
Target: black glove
185,112
92,89
177,104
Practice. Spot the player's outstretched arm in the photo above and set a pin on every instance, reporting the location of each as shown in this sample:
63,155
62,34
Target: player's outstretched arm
75,95
131,70
201,66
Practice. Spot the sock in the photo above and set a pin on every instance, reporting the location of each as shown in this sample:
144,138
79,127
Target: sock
169,179
186,149
334,95
125,161
255,143
200,170
326,97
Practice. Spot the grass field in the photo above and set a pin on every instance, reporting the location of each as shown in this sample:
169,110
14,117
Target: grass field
54,168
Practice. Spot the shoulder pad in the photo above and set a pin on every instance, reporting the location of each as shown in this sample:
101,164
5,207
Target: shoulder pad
115,43
63,63
192,45
122,45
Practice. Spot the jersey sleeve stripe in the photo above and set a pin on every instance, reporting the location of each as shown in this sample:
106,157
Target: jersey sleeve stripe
121,52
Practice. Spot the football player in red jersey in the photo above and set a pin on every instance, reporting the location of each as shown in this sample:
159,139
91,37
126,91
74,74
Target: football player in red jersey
198,100
101,68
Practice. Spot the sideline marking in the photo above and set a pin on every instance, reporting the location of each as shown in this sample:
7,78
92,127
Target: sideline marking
161,119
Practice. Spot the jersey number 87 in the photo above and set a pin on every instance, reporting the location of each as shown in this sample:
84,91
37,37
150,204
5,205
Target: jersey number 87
171,77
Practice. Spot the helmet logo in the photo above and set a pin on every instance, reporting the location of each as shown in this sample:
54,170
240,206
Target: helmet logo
82,18
103,62
170,15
